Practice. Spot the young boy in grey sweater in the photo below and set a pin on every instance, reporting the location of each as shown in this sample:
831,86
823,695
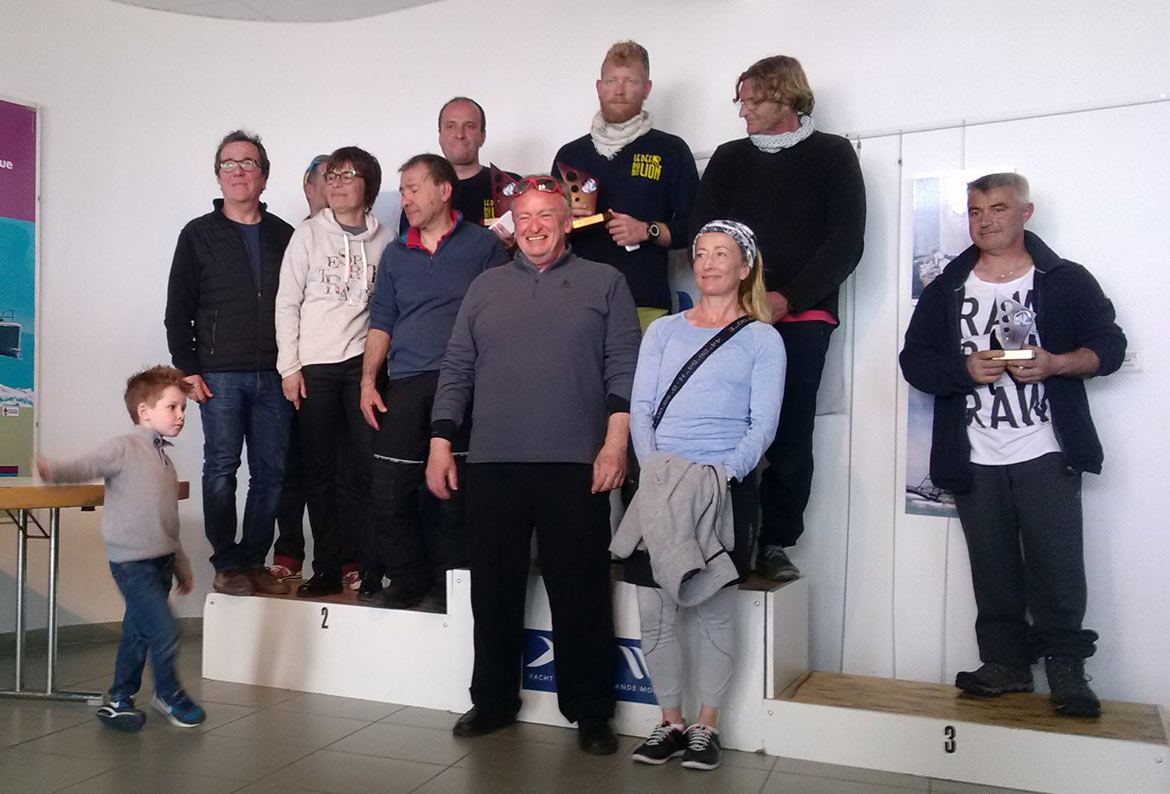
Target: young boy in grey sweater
140,527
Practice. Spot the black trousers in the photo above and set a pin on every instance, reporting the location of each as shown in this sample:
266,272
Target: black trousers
1024,534
505,503
290,511
332,428
419,537
785,483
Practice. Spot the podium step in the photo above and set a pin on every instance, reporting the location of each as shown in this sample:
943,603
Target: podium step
934,730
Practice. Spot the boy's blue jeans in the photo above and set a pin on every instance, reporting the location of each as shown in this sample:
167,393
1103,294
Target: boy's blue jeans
148,625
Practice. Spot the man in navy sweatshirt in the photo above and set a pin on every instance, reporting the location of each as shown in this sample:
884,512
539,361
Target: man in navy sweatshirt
645,177
420,285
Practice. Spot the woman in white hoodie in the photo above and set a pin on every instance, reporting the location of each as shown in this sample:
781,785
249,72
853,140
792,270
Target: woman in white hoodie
321,318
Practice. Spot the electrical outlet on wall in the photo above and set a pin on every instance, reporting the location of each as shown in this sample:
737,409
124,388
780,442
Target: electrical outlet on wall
1132,361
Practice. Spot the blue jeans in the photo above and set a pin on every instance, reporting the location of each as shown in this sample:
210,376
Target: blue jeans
148,625
245,406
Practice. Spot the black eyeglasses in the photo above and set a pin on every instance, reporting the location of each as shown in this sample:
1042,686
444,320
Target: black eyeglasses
230,165
344,177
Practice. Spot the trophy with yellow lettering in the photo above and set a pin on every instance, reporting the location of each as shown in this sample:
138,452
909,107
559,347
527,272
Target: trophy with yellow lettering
502,196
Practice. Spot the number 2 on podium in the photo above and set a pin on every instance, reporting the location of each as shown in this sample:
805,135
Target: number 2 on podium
325,620
949,744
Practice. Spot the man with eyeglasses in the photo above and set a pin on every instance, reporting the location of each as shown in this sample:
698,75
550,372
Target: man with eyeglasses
421,280
547,343
801,191
221,332
645,178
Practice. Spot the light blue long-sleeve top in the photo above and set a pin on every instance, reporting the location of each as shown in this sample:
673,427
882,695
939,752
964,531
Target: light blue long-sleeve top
727,412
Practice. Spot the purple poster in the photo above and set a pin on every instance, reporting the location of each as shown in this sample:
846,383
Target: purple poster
18,212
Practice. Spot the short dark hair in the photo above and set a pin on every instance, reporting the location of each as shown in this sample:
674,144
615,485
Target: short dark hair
441,171
365,164
148,386
240,136
479,107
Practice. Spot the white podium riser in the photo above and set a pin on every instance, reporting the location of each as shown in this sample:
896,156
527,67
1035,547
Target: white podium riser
990,755
422,659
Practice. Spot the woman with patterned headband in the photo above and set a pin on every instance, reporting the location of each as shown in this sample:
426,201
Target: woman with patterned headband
705,404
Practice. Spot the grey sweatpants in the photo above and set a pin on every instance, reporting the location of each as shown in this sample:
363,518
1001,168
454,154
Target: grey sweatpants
664,655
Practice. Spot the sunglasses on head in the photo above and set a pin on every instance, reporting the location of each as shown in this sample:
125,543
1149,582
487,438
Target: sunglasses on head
544,184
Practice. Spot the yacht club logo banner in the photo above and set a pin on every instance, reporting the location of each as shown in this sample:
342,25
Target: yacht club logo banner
18,209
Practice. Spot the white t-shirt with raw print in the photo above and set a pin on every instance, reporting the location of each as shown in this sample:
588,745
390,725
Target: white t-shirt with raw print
1007,422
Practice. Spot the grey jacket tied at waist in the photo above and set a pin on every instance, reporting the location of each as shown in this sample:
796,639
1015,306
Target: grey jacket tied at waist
682,515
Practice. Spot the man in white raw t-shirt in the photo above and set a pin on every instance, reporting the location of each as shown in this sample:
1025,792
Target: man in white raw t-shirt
1012,435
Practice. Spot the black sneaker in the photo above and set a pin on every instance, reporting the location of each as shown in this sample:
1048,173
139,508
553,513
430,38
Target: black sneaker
664,743
995,679
703,750
1070,687
773,563
121,715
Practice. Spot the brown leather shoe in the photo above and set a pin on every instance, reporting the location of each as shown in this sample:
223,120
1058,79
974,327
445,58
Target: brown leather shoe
232,583
264,582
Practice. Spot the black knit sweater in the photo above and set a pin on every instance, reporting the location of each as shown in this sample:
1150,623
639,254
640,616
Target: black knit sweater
806,205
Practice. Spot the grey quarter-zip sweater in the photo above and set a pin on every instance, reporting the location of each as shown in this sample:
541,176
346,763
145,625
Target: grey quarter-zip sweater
140,516
548,354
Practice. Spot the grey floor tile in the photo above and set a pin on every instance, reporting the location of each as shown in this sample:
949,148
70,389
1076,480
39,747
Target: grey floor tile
519,762
423,718
150,780
457,780
265,788
30,772
815,769
220,714
91,739
239,694
749,760
21,721
789,783
955,787
224,756
671,778
407,743
347,773
290,727
332,706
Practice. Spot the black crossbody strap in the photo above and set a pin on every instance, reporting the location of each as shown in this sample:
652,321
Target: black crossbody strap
701,355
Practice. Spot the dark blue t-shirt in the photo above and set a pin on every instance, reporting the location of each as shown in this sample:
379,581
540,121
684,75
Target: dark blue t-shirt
251,234
653,178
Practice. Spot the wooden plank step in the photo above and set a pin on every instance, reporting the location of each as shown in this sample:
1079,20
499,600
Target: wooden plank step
1135,722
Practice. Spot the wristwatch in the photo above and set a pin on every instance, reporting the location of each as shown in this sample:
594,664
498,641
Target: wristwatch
653,231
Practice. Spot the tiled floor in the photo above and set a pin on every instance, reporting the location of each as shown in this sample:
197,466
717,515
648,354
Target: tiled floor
274,741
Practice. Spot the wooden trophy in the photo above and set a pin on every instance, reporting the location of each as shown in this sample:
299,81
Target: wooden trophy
582,196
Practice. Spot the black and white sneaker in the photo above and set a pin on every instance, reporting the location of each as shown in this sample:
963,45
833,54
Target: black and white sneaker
703,750
121,715
664,743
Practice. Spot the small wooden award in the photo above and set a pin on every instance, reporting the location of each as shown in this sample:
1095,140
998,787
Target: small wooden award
583,190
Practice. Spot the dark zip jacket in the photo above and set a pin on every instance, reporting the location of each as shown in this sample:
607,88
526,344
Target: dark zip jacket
1071,312
218,319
